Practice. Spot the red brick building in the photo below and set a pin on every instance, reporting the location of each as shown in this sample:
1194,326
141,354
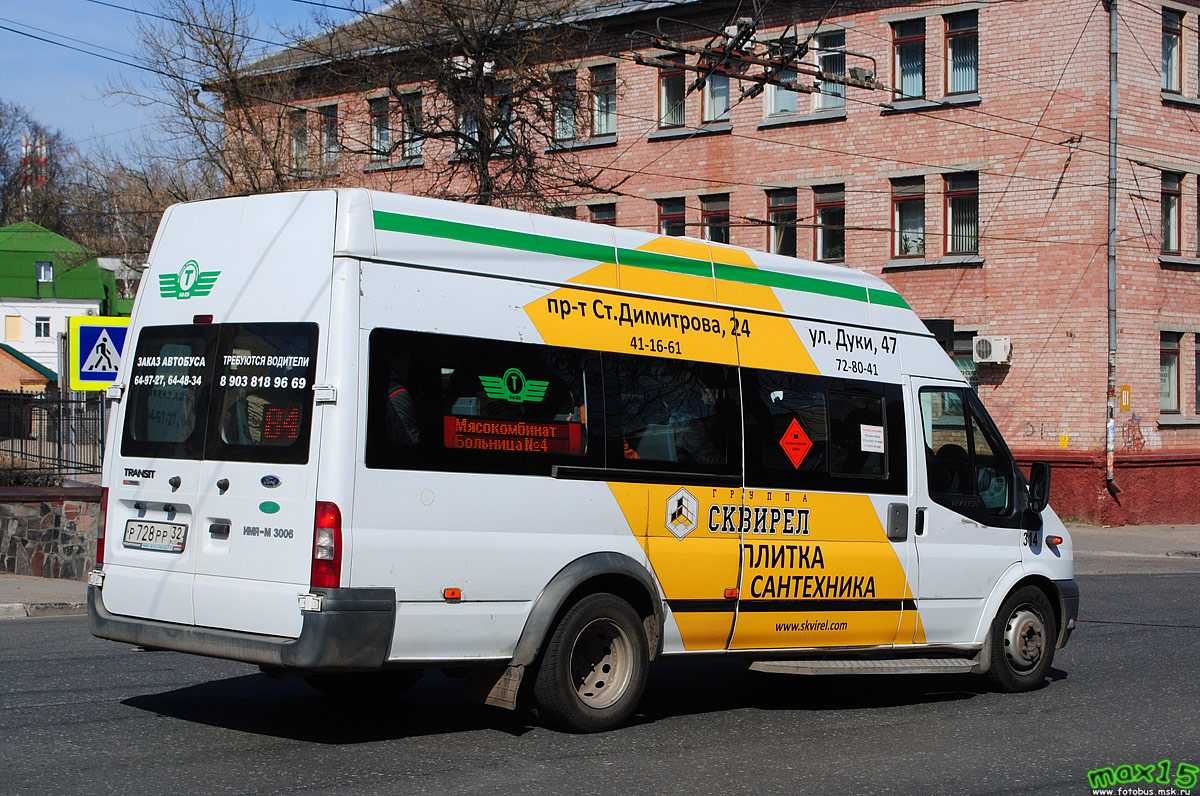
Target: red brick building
975,180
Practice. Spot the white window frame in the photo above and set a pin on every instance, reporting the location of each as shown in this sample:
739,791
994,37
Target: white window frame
381,134
830,95
716,98
412,144
780,100
604,99
330,135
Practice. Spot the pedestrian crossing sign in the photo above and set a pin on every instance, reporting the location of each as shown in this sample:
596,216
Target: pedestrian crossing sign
96,345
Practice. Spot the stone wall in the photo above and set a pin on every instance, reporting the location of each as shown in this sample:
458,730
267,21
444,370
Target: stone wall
49,533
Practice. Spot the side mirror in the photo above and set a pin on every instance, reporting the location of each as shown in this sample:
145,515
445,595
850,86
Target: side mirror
1039,486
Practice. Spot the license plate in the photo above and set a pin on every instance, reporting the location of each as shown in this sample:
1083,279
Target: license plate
165,537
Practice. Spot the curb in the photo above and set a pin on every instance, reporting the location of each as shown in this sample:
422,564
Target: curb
22,610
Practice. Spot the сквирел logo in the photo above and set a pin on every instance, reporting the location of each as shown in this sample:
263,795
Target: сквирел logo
682,512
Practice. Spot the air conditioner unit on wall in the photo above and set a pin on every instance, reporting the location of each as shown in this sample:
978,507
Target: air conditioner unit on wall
992,350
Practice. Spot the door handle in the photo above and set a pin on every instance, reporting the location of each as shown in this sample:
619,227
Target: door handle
219,529
897,530
920,529
223,485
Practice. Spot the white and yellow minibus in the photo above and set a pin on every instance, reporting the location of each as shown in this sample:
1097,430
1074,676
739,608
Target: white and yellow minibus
356,435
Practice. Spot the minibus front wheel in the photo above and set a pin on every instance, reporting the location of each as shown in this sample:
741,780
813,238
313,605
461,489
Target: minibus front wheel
1023,640
594,666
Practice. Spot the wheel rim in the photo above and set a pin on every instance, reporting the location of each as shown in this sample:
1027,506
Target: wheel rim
601,663
1024,639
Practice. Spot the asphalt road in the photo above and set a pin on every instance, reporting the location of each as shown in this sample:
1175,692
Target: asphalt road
80,715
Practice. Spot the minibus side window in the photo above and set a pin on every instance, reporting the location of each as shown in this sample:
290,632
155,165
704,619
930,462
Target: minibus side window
168,392
969,468
806,431
665,414
857,444
462,404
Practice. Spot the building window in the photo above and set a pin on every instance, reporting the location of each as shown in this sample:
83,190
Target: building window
504,119
962,353
12,327
908,58
298,121
381,129
41,326
716,98
330,146
714,217
908,217
829,202
781,100
831,60
672,88
781,212
565,211
962,213
411,143
962,52
604,214
672,217
468,133
45,271
1171,182
1168,370
1172,50
565,101
604,100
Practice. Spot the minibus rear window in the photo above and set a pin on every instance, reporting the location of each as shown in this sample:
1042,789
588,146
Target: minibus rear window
231,392
168,392
262,389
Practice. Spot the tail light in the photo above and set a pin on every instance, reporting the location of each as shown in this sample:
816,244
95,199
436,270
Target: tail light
100,527
327,547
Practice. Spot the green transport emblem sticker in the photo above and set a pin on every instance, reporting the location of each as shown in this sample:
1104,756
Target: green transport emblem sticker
189,282
514,387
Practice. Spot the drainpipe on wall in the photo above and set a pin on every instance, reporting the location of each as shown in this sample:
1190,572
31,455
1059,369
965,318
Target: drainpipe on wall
1111,414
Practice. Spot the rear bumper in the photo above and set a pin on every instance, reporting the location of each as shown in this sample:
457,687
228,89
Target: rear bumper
353,631
1069,593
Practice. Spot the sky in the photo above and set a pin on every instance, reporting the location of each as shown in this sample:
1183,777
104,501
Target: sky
62,88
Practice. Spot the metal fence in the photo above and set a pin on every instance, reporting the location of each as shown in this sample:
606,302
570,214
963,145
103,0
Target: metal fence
47,435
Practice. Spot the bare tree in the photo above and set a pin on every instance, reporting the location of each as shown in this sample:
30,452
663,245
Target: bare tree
498,98
34,163
217,118
118,199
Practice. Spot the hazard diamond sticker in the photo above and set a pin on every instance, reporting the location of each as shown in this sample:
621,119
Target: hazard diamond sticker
795,443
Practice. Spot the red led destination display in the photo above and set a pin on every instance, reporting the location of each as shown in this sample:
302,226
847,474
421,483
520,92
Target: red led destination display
281,423
517,436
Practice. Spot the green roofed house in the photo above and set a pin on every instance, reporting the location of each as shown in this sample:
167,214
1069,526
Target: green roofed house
45,279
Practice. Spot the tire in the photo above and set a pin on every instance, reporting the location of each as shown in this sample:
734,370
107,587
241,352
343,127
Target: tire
594,666
1024,635
365,686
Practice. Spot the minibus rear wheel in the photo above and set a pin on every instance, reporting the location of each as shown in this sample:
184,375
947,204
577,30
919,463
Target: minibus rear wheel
1023,640
594,666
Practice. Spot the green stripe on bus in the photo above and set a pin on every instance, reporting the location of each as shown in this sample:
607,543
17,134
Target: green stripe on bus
888,298
596,252
504,238
806,284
